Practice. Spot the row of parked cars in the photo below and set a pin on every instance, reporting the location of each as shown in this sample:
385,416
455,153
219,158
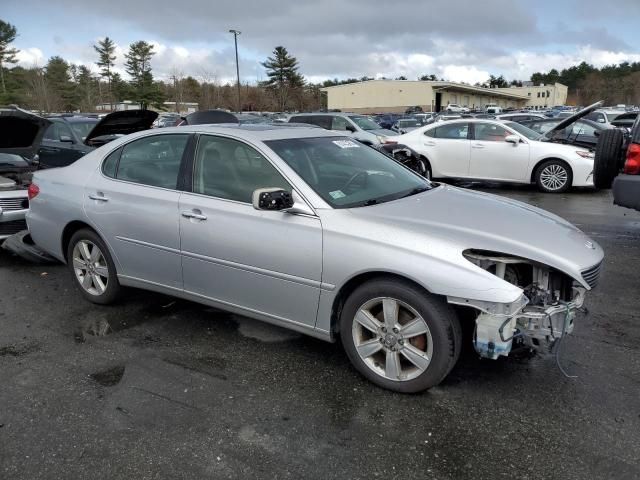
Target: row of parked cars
300,225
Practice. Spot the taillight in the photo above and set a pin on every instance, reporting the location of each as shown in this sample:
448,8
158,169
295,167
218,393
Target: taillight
33,191
632,164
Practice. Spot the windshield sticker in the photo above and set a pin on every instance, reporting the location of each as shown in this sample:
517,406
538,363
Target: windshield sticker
336,194
346,144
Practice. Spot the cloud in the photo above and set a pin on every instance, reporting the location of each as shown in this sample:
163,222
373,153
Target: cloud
29,57
459,40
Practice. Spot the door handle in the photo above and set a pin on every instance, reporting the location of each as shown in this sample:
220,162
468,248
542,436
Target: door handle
99,196
194,214
429,144
477,145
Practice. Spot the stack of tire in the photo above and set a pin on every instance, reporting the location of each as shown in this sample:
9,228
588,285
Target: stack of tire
609,157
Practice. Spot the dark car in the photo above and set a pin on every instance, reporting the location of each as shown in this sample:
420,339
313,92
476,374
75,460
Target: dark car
69,138
386,120
582,133
617,164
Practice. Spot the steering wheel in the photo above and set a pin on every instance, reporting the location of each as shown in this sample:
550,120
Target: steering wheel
353,178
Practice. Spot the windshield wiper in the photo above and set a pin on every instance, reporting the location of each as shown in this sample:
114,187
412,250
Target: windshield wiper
415,191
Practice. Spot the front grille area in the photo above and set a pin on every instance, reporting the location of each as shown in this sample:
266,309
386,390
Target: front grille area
10,204
591,275
14,226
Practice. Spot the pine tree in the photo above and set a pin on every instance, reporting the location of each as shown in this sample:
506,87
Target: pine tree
106,49
8,54
282,70
58,81
138,66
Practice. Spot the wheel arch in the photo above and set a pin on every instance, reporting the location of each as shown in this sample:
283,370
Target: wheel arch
354,282
68,231
534,171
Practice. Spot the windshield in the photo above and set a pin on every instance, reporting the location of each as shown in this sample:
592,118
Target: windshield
522,130
82,129
346,173
10,160
365,123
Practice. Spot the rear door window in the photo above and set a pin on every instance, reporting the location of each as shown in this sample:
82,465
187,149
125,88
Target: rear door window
153,161
454,131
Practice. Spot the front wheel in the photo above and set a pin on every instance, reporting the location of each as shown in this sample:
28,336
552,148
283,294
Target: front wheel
92,267
399,336
554,176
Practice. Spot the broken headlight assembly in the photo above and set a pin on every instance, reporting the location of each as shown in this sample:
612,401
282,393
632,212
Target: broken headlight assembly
543,315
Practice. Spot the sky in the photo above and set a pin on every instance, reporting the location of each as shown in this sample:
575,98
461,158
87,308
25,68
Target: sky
458,40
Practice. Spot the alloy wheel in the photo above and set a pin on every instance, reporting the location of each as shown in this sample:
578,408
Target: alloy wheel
392,339
554,177
90,267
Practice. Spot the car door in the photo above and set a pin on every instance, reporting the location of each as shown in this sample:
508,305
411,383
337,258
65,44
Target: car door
492,157
58,147
267,263
447,148
132,200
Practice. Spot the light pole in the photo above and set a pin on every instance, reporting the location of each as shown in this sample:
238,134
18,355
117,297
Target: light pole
235,41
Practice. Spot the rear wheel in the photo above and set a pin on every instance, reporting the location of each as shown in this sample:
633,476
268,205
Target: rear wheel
608,157
92,267
399,336
554,176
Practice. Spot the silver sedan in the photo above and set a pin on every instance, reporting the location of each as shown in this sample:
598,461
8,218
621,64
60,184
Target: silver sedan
317,233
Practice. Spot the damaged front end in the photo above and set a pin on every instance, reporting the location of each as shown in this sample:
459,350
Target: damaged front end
543,314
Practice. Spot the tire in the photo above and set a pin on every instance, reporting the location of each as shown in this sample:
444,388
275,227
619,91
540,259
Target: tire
428,174
414,349
608,157
554,176
97,267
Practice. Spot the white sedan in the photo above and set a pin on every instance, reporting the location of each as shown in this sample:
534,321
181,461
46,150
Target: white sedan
499,151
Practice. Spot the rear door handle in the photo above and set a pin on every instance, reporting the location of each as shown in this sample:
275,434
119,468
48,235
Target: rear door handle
477,145
197,214
99,196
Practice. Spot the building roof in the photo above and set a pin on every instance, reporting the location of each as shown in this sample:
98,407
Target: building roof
443,86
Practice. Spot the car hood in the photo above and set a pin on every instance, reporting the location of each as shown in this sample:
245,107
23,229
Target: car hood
121,123
21,131
573,119
449,217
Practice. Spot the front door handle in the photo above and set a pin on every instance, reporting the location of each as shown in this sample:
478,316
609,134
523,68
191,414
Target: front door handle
99,196
196,214
429,144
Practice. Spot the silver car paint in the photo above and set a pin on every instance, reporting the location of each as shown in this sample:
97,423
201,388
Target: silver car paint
420,237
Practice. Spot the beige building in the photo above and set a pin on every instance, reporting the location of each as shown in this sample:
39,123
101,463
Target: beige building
541,96
374,96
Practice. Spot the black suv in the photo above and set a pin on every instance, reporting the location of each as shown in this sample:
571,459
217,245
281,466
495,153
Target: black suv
619,149
63,142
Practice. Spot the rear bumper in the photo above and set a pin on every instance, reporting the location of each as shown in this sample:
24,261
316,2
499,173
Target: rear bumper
626,191
12,222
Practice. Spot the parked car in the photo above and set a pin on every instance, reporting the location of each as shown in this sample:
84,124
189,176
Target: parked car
484,149
69,138
617,163
316,232
455,108
405,125
413,109
519,116
359,127
582,133
492,109
605,116
386,120
20,135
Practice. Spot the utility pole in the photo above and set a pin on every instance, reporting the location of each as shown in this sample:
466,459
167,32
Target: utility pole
235,40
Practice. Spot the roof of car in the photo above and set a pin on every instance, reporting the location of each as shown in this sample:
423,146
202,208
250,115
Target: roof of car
259,131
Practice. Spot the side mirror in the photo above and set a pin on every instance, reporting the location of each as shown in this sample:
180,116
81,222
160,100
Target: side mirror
512,139
271,199
66,139
350,128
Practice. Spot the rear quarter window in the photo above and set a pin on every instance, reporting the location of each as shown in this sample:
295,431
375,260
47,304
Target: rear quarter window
110,164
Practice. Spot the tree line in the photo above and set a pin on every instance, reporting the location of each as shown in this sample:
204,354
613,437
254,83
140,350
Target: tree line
60,86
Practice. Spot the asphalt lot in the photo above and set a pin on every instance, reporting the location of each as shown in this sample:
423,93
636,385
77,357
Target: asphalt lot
158,388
